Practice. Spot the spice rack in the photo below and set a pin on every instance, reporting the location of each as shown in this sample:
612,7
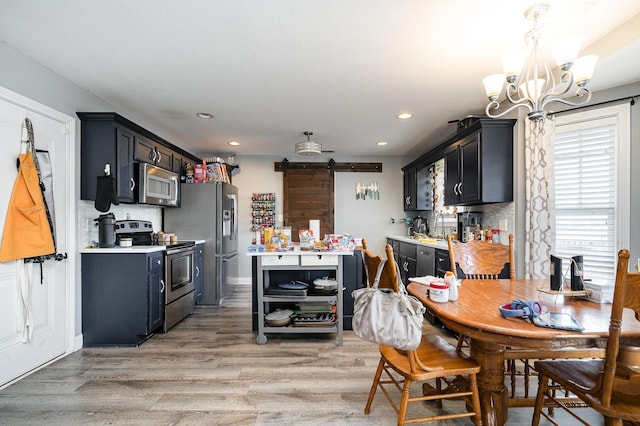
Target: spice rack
263,210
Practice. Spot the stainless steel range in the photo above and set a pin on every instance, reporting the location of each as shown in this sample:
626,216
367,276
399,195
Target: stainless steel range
179,268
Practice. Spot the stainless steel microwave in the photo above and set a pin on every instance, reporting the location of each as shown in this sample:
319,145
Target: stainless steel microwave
157,186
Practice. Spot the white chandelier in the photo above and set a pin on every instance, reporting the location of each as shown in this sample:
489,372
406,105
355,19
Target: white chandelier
530,81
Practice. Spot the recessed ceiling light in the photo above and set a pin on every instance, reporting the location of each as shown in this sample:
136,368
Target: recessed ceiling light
382,143
404,116
204,115
233,143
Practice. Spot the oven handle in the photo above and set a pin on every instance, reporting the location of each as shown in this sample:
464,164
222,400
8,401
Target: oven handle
181,250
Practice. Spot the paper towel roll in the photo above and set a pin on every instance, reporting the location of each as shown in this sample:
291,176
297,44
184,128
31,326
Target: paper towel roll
314,226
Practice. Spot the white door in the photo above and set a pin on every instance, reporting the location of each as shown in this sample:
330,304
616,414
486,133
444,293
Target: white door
51,287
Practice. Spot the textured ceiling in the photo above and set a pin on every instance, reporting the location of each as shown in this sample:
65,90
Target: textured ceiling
269,70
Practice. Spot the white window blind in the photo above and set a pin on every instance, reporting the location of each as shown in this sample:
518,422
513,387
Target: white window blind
587,181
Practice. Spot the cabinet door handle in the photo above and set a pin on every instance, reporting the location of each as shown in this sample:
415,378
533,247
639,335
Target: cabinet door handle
152,155
162,286
197,271
158,262
158,155
460,188
407,200
133,184
455,189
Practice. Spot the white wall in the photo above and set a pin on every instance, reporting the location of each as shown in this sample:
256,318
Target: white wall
360,218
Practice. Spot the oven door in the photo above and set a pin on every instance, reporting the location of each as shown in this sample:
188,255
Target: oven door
179,273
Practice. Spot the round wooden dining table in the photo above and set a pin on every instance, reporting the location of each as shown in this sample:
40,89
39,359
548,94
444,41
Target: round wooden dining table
476,314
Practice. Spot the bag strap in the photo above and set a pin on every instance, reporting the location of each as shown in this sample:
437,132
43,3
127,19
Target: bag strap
366,270
401,288
376,281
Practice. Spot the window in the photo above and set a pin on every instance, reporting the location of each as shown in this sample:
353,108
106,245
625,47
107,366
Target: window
590,213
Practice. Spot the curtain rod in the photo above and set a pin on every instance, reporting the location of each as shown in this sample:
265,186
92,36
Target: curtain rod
626,98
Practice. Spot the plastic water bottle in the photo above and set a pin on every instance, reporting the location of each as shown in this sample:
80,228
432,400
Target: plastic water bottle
450,279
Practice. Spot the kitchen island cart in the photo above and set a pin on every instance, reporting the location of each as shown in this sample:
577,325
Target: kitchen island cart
274,268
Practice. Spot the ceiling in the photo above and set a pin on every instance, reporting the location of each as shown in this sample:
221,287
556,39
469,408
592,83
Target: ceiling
270,70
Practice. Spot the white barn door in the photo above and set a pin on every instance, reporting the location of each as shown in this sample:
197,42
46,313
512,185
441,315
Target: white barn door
52,290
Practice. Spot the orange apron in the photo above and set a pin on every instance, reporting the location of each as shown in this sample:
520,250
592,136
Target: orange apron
26,229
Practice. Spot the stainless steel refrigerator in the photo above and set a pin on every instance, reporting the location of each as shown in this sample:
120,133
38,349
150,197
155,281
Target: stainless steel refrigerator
209,212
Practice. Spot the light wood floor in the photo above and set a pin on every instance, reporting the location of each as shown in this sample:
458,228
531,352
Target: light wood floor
209,370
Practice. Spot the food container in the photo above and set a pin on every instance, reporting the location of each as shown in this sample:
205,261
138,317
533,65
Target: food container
126,242
439,292
278,318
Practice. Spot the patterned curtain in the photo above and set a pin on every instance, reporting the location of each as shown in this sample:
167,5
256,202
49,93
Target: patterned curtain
538,175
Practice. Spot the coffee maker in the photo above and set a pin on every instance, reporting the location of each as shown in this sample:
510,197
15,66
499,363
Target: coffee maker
468,221
106,230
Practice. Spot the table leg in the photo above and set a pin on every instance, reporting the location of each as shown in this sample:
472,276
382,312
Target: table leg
493,392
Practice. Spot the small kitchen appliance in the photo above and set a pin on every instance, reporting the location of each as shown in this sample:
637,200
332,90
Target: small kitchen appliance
420,225
106,230
158,186
468,221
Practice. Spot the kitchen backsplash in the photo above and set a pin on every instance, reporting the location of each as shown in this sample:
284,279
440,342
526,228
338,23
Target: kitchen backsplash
495,214
88,231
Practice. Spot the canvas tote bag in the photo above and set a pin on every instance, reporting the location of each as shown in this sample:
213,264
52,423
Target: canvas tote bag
387,318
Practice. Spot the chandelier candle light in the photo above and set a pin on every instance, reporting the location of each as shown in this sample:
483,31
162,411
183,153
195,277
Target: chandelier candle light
530,81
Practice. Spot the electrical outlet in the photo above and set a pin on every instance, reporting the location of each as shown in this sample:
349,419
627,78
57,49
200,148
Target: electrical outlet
503,224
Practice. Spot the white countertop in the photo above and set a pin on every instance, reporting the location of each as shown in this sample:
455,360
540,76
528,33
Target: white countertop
122,250
440,244
132,249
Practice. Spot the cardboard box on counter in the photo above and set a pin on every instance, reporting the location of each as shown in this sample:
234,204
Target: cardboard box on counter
600,292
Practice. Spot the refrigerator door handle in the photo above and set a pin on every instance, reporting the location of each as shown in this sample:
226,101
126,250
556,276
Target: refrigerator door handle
228,258
234,217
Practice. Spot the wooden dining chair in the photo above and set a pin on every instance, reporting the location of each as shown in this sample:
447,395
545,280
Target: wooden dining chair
485,260
609,385
482,260
433,359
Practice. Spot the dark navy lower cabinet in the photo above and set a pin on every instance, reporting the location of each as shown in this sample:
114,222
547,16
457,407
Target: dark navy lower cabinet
122,297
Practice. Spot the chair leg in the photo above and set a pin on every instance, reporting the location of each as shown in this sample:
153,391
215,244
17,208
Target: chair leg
527,373
543,382
374,385
404,402
511,368
475,399
460,342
